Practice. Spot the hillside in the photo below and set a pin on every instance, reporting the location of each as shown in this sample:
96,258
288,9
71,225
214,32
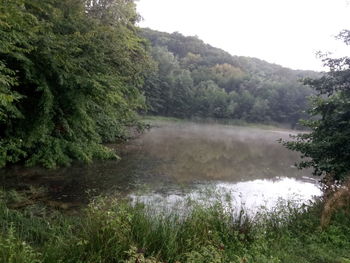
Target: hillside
195,79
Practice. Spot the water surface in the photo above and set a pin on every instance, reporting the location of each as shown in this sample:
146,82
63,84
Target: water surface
179,160
245,163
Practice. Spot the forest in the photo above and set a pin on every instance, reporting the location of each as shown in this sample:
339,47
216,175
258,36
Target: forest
75,75
81,88
194,79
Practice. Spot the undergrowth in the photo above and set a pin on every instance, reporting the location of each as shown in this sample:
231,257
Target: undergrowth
111,230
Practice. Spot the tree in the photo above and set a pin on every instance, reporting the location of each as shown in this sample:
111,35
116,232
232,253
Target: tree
70,73
247,88
227,76
17,32
209,100
327,147
180,99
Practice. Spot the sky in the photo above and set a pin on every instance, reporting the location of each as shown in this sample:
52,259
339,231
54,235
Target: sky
285,32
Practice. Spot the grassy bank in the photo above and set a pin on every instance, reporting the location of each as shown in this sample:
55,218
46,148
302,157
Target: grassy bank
232,122
114,231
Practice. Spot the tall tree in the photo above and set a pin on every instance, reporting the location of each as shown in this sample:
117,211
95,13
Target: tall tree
327,147
70,73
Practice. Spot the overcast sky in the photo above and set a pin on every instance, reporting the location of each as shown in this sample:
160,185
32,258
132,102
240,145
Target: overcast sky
285,32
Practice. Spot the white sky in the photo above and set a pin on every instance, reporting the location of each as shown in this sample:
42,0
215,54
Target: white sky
285,32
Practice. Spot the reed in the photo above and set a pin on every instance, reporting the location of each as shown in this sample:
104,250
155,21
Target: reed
113,230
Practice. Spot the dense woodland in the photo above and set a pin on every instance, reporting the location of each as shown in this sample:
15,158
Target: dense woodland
70,78
195,79
75,74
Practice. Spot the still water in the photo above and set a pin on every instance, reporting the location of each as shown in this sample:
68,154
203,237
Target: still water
175,161
246,164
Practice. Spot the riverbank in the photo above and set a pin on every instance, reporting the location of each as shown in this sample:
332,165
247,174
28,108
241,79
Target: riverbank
112,230
151,119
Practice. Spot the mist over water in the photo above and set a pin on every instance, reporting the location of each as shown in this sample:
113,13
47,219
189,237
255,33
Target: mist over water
176,161
217,152
246,163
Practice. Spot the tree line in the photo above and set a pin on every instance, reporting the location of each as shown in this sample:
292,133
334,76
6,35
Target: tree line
196,79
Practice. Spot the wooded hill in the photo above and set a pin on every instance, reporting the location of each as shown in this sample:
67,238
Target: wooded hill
195,79
74,75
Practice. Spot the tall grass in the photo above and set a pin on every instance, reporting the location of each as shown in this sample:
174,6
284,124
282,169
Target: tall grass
231,122
111,230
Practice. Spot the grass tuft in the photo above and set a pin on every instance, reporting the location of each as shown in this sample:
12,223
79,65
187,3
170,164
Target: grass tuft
112,230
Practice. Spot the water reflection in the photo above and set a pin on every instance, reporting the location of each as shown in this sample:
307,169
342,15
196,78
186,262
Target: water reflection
173,161
191,152
251,196
245,163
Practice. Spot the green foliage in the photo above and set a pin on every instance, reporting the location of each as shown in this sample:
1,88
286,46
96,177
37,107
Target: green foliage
70,74
14,250
327,148
17,30
134,256
114,231
209,254
220,85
